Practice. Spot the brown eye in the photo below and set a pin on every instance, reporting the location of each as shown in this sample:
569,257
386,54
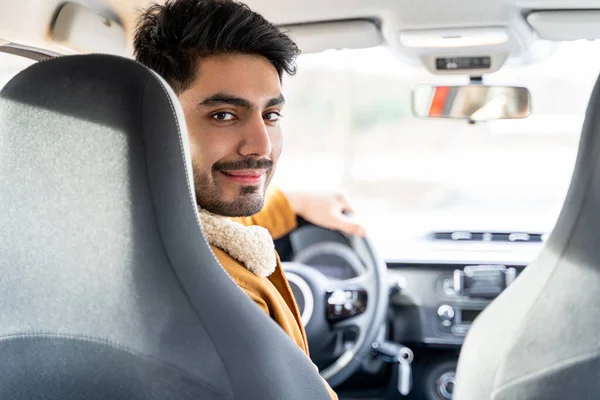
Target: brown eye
223,116
272,116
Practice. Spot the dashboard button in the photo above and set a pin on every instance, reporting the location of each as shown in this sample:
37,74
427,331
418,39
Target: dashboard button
460,330
446,312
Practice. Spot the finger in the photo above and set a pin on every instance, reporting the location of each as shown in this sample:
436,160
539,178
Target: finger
349,227
346,206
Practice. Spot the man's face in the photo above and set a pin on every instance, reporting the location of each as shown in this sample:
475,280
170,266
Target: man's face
232,111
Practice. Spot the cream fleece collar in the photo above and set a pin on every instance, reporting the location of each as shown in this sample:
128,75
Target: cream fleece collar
250,245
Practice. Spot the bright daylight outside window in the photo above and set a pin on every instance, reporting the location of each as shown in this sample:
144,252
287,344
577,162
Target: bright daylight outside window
348,123
10,65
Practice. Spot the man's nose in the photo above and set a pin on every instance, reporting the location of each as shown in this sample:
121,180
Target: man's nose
256,140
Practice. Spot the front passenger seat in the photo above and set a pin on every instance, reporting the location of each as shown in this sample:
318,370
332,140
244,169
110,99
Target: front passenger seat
108,289
540,339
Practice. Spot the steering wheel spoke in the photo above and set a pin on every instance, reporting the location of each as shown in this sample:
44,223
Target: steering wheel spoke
357,283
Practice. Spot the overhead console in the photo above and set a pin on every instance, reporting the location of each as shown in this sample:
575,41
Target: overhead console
466,51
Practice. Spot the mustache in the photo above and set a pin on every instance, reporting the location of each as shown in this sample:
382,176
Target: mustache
246,163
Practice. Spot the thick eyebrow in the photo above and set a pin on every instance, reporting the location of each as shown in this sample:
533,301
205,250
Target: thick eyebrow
224,98
275,101
228,99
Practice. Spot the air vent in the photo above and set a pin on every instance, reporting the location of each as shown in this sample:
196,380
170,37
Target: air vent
514,237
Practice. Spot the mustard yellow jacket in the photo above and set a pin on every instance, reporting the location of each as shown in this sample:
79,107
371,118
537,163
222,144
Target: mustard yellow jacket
273,293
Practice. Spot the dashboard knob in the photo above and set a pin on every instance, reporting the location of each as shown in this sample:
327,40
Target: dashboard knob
445,312
445,385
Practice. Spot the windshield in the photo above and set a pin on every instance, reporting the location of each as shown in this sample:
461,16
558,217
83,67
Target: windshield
348,124
10,65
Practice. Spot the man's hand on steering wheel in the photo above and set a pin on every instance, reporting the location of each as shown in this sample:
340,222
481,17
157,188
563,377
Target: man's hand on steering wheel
326,210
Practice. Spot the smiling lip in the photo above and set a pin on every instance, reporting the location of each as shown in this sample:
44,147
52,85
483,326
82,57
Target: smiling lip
245,176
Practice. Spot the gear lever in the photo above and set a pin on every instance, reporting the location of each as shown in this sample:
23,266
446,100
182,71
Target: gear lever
395,352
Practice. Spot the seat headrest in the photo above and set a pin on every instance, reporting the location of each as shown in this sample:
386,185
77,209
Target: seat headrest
100,245
577,230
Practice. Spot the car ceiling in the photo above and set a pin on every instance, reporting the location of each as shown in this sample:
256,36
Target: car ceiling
404,14
29,22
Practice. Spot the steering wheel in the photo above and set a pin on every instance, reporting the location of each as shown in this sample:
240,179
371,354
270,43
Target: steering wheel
342,317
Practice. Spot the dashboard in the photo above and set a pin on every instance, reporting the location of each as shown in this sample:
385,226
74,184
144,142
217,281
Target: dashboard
436,304
431,307
430,303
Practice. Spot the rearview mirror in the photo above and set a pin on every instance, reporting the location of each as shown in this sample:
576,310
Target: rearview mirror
471,102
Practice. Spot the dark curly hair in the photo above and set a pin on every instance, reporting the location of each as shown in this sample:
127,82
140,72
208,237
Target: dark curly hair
171,37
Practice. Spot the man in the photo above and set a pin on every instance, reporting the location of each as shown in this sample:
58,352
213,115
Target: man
226,64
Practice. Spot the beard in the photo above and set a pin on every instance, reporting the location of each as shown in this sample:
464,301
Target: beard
248,202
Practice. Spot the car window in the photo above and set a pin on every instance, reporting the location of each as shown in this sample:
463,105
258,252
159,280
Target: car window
10,65
348,123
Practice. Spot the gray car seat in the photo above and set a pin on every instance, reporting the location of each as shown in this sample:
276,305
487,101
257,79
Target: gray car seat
108,289
540,339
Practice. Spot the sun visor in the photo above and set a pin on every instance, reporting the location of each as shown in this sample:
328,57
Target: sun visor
78,29
565,25
317,37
